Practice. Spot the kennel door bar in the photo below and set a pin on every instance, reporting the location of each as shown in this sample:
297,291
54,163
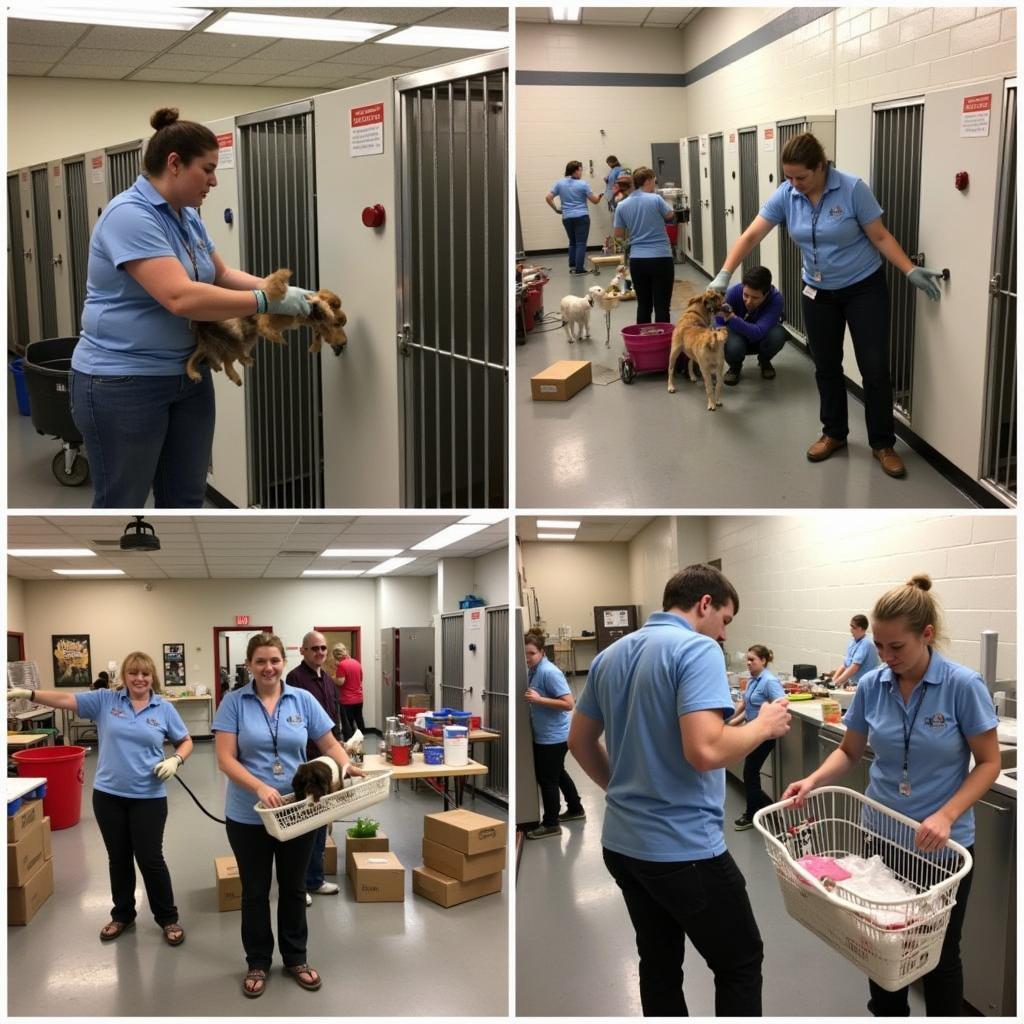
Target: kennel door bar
496,702
124,164
999,438
749,205
790,282
452,669
44,251
16,266
76,204
717,153
696,219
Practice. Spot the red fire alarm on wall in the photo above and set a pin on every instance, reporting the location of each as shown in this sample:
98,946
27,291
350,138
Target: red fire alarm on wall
373,216
961,181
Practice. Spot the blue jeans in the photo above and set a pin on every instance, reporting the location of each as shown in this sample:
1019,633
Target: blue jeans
577,228
737,348
145,434
315,870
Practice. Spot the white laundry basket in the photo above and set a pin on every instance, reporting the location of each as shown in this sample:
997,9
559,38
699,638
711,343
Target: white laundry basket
837,822
295,818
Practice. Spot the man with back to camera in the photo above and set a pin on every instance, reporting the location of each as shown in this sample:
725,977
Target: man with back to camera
310,675
754,324
661,697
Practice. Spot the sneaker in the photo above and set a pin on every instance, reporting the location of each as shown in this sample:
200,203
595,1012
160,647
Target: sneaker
742,824
767,370
327,889
309,900
580,815
543,831
732,375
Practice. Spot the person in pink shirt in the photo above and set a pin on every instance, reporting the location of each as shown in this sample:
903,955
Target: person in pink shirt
348,674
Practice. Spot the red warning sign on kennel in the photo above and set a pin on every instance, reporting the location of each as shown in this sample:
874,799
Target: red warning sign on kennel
366,130
975,116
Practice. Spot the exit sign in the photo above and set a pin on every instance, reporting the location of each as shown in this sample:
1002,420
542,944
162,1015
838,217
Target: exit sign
241,620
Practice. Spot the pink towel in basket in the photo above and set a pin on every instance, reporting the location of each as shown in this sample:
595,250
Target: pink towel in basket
823,867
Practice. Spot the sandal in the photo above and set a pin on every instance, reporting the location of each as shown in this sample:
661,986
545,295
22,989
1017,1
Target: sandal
258,975
113,929
300,969
174,934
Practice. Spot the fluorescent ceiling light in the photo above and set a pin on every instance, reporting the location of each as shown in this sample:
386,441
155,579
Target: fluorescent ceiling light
51,553
332,572
449,535
556,536
361,552
488,518
390,564
565,13
276,27
89,572
558,524
469,38
180,18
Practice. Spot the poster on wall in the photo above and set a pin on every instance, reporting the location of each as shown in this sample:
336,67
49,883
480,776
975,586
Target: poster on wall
72,665
174,664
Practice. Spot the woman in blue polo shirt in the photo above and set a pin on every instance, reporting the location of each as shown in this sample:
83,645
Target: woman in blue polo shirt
551,702
261,734
837,224
574,193
763,686
925,717
129,797
861,656
643,215
152,269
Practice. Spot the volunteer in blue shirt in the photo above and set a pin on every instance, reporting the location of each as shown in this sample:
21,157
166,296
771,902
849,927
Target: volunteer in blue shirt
643,216
615,171
261,735
861,656
574,194
925,717
550,701
661,698
837,224
763,686
152,269
754,324
129,797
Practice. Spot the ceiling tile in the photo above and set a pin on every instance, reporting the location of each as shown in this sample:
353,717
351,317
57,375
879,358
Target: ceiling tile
672,16
615,15
44,33
151,74
388,15
29,52
306,50
228,46
114,38
372,74
327,71
191,62
233,78
28,67
533,14
271,67
378,53
493,18
446,56
93,57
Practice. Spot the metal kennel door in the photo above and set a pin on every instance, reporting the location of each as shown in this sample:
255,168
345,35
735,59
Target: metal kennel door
696,220
16,254
44,251
453,302
717,154
790,281
452,682
124,166
496,694
999,440
896,183
749,204
283,407
78,236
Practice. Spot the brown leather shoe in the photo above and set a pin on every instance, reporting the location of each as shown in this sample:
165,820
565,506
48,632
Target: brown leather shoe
892,464
823,448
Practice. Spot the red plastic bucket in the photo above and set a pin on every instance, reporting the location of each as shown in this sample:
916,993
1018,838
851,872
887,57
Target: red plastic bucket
64,770
648,345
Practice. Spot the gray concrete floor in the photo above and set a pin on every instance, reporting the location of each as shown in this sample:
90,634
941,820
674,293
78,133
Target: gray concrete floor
636,446
575,948
377,959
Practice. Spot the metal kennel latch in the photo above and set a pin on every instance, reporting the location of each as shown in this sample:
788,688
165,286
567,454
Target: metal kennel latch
995,284
404,336
59,261
917,259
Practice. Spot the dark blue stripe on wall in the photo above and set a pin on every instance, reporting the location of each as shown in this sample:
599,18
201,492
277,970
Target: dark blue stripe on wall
776,29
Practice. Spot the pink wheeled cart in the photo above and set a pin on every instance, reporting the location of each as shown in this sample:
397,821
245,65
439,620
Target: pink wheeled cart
647,350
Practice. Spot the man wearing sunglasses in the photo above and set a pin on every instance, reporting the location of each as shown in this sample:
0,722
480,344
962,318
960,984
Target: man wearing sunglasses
310,675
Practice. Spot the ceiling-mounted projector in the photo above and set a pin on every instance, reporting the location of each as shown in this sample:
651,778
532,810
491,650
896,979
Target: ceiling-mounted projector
139,536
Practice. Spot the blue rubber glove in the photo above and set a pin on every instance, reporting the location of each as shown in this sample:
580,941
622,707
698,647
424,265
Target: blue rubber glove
923,278
720,282
294,303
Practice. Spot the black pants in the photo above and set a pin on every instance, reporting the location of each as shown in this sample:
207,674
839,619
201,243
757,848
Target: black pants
257,853
653,278
549,766
351,719
756,796
133,832
706,902
944,986
863,305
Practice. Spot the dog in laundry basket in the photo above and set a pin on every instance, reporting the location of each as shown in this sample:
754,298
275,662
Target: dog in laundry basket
576,313
701,343
317,778
222,343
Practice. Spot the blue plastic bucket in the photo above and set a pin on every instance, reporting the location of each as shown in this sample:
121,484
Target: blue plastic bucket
433,755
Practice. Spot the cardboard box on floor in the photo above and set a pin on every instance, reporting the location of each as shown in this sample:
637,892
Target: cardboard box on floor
30,812
24,902
561,380
465,831
330,857
229,885
418,700
47,836
25,856
463,867
378,844
450,892
378,878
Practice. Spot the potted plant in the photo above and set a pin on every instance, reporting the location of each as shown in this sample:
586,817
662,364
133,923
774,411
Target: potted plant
365,836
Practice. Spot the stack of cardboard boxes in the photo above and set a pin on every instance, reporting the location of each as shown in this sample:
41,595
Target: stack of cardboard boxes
463,857
29,862
376,874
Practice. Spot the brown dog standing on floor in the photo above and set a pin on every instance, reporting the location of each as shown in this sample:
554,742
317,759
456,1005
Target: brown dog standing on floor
703,344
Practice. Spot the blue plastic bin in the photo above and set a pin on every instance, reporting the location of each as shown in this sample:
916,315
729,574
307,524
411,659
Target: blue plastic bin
17,368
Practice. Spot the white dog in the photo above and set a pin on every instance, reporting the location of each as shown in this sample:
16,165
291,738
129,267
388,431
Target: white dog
576,316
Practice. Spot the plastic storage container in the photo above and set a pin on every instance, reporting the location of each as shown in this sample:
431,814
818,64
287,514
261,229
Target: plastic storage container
64,770
647,349
456,746
433,755
17,368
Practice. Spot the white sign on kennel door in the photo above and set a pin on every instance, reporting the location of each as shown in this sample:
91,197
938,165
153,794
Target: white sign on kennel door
366,130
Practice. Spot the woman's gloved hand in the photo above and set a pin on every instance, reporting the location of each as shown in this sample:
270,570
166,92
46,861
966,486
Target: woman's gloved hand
19,693
721,281
557,210
923,278
294,303
168,767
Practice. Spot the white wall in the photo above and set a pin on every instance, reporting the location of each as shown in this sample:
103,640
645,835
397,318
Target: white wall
49,118
406,600
653,559
16,616
487,577
490,577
